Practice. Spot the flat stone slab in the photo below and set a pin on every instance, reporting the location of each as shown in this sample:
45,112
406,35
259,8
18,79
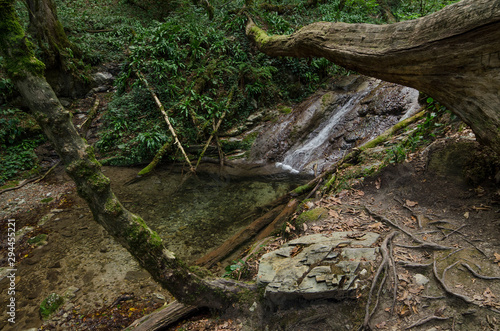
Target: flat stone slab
318,266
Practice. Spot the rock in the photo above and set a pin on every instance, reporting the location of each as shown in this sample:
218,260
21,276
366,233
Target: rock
103,78
70,293
421,279
317,266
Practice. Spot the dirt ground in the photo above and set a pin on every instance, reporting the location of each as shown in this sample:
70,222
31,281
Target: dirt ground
446,225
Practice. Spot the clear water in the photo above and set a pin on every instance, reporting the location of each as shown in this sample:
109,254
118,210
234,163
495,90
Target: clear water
196,214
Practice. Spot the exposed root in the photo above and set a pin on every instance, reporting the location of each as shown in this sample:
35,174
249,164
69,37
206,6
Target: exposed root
382,268
406,264
426,320
454,231
422,244
478,275
441,281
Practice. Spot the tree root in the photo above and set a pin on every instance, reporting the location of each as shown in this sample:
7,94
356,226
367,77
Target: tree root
445,287
478,275
386,263
426,320
454,231
422,244
406,264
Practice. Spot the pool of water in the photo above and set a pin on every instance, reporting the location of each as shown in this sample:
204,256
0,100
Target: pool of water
197,213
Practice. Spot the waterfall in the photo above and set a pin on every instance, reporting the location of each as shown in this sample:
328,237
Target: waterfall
298,157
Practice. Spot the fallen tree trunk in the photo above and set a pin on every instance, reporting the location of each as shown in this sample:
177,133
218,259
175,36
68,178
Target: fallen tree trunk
452,55
128,229
162,318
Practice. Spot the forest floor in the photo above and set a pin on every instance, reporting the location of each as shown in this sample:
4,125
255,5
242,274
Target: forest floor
448,243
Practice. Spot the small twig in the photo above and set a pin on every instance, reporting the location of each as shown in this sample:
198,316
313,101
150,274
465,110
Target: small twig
478,275
426,320
454,231
90,117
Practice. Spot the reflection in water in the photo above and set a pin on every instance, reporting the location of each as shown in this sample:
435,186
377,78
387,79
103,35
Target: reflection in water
199,215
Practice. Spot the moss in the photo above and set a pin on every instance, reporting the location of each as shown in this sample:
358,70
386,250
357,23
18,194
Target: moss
312,215
46,200
13,42
38,240
113,207
260,36
303,189
50,305
99,182
200,271
284,109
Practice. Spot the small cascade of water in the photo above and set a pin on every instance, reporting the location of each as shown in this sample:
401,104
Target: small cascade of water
297,158
326,126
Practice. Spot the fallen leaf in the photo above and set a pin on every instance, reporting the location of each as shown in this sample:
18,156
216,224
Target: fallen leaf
466,215
381,325
333,213
377,183
488,294
410,203
497,258
375,226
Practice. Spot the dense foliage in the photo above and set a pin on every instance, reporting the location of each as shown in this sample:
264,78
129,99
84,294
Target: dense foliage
200,66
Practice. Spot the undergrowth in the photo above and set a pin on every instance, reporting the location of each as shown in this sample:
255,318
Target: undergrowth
199,66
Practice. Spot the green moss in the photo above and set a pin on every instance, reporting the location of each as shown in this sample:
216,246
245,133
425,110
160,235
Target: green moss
99,182
284,109
50,305
260,36
38,240
113,207
46,200
312,215
17,49
200,271
303,189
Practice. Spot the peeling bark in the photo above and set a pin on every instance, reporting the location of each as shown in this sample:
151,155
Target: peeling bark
452,55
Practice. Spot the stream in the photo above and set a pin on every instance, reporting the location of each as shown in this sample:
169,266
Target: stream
195,214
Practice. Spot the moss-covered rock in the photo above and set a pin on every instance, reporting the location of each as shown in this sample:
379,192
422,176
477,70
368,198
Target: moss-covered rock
50,304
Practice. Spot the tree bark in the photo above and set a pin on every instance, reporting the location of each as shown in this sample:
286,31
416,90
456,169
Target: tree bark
128,229
452,55
58,53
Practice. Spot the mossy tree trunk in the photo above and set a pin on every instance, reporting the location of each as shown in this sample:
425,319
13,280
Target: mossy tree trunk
452,55
127,228
59,55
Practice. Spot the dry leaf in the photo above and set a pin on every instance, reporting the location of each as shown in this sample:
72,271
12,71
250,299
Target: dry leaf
333,213
497,258
488,294
410,203
377,183
381,325
466,215
375,226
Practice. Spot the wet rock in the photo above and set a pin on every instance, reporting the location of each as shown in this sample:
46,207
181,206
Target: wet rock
317,266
